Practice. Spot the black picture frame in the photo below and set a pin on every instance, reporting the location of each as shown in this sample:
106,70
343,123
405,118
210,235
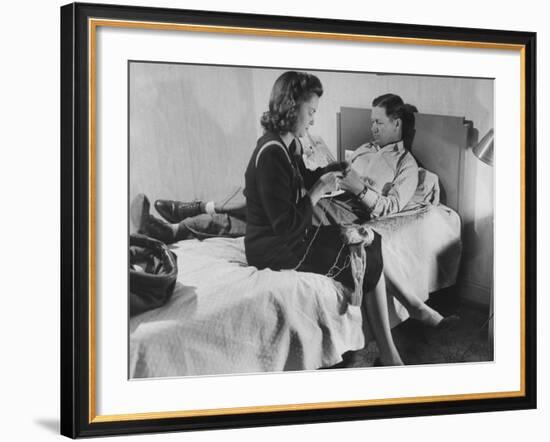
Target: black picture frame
76,404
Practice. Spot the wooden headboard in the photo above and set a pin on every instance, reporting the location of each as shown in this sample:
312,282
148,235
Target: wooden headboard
439,145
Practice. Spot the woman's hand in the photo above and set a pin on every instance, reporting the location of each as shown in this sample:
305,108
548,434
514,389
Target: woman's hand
352,182
329,182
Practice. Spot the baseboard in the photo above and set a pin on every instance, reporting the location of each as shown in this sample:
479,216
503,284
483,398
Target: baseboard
474,294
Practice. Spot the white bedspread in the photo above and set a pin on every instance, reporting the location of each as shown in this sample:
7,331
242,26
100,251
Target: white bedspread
226,317
421,249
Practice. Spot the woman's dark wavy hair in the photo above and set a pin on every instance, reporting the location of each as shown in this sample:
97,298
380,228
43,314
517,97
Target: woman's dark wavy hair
396,108
290,90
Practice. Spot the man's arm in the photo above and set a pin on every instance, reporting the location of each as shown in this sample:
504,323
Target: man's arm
399,193
394,197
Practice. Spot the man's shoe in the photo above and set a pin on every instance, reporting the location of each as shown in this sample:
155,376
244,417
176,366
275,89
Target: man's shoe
147,224
139,211
158,229
176,211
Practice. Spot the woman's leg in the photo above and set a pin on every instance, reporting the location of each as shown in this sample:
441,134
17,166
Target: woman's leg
325,257
417,309
375,304
376,308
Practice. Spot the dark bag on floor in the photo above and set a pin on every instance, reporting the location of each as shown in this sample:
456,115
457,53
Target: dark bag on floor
153,273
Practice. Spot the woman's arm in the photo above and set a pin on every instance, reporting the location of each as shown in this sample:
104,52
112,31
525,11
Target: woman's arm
277,195
312,176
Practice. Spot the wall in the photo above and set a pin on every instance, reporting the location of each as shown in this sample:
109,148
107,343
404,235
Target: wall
192,129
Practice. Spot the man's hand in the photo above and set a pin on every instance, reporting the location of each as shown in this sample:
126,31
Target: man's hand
352,182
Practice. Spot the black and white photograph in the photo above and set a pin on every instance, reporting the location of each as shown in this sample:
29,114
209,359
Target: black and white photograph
285,219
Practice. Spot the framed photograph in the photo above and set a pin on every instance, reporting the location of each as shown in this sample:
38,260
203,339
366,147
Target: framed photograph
273,220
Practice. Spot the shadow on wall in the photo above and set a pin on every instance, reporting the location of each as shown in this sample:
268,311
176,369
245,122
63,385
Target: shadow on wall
477,264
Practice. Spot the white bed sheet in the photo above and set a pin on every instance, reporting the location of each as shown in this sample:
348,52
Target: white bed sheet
226,317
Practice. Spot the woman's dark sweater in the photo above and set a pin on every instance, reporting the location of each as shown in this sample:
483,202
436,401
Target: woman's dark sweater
279,211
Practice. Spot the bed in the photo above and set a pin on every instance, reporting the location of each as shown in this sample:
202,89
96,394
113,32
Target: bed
227,317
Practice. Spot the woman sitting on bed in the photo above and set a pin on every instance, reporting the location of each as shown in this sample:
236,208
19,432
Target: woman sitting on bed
281,194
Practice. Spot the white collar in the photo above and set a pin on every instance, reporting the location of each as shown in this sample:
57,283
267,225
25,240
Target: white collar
398,146
365,148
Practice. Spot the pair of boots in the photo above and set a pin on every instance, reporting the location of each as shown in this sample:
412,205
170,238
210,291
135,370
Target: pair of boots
173,212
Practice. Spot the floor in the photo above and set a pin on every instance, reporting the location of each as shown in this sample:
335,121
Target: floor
467,341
